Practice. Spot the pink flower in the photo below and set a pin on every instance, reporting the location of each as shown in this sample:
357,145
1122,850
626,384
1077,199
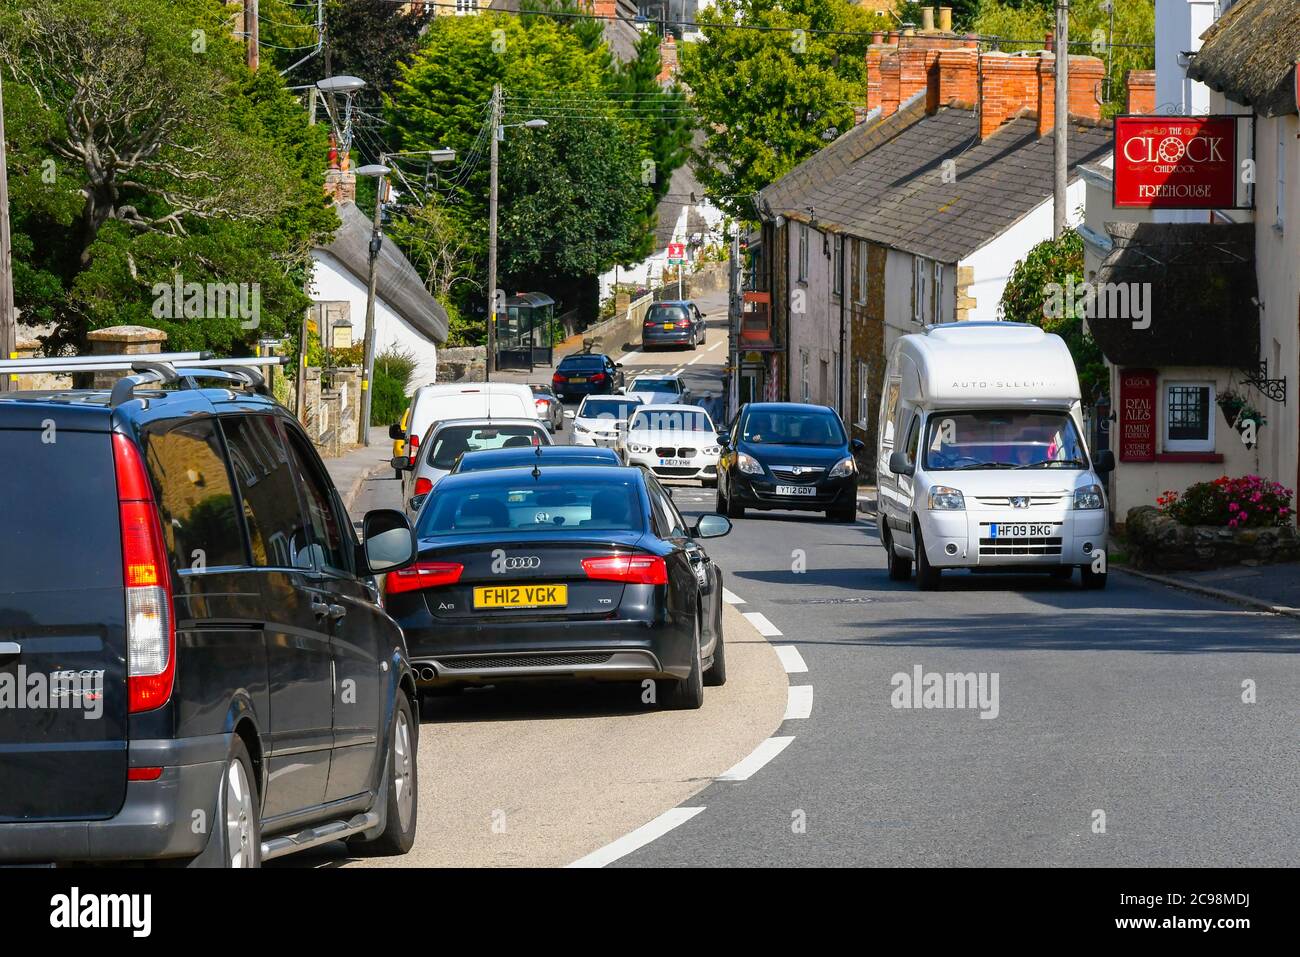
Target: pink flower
1232,506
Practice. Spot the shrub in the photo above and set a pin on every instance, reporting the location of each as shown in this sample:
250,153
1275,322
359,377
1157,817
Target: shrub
393,370
1247,502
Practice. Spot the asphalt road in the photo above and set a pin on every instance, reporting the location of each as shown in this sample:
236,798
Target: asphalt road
1118,733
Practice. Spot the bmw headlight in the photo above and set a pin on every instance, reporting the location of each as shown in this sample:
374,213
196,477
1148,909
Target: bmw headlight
748,464
943,498
712,450
845,466
638,448
1089,497
580,427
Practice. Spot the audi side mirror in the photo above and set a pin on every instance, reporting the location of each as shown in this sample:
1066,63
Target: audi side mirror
388,540
711,526
899,465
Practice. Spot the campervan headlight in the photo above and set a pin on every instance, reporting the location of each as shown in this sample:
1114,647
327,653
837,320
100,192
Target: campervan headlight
943,498
1089,497
845,466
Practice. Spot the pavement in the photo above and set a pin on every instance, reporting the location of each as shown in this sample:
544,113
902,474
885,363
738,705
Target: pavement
1271,588
351,469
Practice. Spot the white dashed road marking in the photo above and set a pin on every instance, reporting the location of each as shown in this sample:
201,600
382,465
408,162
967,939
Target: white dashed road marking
716,345
762,754
731,598
799,702
639,838
791,659
765,627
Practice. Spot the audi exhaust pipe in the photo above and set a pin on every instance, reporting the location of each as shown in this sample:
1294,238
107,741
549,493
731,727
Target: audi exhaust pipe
427,673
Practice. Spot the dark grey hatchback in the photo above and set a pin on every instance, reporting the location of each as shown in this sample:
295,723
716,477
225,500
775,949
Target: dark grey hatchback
193,661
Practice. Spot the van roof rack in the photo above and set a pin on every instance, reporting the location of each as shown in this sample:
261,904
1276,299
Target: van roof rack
182,368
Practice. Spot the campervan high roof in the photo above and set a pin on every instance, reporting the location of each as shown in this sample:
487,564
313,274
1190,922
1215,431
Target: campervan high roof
980,363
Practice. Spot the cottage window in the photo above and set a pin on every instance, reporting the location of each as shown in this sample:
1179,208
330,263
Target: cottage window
918,289
837,283
803,376
803,252
1189,424
864,394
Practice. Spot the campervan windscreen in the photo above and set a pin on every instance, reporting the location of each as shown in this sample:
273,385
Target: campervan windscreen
1003,440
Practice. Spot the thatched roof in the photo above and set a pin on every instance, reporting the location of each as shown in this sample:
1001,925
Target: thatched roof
1249,55
1202,280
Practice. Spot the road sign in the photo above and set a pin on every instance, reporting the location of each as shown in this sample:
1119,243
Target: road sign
677,254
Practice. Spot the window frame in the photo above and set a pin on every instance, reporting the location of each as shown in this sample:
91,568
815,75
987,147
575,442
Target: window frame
1187,445
837,281
863,249
918,289
802,264
864,394
804,392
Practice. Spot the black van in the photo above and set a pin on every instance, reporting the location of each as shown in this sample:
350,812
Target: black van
193,660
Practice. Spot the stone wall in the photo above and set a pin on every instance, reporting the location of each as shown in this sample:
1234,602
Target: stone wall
461,364
1158,542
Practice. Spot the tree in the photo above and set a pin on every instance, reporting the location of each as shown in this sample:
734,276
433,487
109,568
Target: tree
771,96
573,202
1048,268
144,150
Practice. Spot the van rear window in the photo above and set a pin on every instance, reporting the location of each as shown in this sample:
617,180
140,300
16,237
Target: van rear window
61,528
199,518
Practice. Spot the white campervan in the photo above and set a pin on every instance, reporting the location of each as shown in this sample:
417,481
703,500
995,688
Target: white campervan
981,461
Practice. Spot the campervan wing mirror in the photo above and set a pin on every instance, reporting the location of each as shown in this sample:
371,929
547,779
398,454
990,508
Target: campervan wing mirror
396,432
1104,461
899,465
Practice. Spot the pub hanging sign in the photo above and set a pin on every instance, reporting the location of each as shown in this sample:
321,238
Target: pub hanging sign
1180,162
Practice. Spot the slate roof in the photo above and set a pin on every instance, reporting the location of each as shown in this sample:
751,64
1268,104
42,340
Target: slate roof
399,285
1249,53
886,183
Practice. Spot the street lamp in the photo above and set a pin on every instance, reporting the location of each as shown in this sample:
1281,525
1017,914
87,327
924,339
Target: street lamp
380,172
498,134
347,87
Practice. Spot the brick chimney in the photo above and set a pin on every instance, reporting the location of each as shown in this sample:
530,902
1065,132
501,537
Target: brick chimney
888,85
1141,91
1086,73
880,45
958,79
667,58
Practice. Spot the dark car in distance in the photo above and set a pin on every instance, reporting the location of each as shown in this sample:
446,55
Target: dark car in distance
788,455
672,323
540,455
587,374
182,565
562,572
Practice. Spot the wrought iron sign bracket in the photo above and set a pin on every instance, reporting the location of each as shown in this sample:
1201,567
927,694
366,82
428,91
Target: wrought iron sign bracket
1274,389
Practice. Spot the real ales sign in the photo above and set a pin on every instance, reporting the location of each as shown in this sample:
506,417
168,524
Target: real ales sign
1137,415
1176,162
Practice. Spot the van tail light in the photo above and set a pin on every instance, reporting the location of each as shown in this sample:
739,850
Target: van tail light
146,574
423,486
414,444
422,575
631,569
143,774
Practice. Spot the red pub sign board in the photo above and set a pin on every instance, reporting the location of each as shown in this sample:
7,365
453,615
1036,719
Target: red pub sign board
1176,162
1137,415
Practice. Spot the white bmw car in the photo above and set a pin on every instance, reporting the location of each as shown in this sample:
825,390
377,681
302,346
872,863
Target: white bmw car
673,441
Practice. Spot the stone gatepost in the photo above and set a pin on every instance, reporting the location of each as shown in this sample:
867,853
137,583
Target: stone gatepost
122,340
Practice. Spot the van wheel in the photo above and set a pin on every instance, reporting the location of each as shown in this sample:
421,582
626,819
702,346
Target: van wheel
1092,581
927,576
900,566
239,813
403,786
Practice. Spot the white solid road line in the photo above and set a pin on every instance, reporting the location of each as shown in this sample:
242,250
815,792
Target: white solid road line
717,345
695,360
765,627
639,838
791,659
731,598
799,702
762,754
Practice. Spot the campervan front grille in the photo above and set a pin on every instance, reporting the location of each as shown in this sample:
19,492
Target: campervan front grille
1020,546
1004,501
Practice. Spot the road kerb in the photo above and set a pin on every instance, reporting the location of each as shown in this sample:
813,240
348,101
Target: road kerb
1222,594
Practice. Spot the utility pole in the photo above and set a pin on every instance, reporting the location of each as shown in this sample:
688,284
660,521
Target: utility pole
1060,154
497,133
372,286
8,321
735,307
252,33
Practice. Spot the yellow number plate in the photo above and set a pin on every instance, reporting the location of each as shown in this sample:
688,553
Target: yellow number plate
668,325
521,596
578,378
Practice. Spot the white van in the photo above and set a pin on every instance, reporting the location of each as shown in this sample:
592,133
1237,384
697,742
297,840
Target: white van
438,402
981,461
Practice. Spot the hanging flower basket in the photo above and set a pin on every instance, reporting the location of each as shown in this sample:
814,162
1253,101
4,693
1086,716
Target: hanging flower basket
1240,413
